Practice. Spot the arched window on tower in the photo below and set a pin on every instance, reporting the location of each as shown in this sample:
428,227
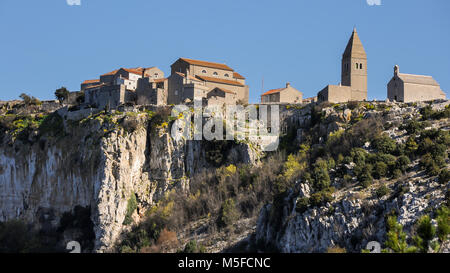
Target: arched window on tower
360,66
357,65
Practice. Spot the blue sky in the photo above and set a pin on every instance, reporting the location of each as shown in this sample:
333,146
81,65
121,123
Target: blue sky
47,44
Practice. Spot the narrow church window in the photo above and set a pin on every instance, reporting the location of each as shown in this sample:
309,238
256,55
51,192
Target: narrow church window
360,66
357,66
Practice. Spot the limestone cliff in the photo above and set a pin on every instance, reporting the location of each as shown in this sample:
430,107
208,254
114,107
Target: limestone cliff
98,162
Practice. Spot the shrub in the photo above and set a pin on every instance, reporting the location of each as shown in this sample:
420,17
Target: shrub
403,163
382,191
302,204
194,247
321,178
229,213
321,198
131,208
358,156
443,223
425,233
396,237
444,176
381,169
384,144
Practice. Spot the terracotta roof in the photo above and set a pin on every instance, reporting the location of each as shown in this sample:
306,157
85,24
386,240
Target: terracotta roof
90,81
417,79
238,76
223,89
207,64
273,91
217,80
137,71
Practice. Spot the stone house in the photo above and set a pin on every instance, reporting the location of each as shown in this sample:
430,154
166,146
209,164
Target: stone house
193,80
283,95
353,85
410,88
118,87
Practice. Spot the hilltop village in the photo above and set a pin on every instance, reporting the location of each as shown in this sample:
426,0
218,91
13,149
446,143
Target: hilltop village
216,83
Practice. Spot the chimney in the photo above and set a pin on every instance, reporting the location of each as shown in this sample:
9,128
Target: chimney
288,84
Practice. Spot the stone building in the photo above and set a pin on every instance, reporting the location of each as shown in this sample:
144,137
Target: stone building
119,86
353,85
411,88
194,80
282,95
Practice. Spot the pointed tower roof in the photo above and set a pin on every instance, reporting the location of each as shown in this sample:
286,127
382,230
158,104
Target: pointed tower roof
355,48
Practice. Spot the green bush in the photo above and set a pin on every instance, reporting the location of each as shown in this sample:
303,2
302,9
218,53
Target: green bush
321,178
381,169
194,247
443,223
229,213
382,191
444,176
358,156
302,204
131,208
403,163
321,198
384,144
396,237
425,233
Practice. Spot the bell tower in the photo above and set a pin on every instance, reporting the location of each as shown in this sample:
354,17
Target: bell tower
354,68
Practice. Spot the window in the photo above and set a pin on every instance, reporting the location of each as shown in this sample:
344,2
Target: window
360,66
357,66
215,74
176,92
226,75
156,75
204,71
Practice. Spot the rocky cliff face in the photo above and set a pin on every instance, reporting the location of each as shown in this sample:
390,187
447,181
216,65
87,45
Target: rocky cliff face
356,215
97,164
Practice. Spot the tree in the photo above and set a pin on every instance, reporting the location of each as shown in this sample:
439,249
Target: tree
62,94
425,233
26,98
396,237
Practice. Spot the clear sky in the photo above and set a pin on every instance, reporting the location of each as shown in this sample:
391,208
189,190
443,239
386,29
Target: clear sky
46,44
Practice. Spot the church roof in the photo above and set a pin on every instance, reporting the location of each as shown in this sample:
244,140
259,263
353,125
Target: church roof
355,48
417,79
207,64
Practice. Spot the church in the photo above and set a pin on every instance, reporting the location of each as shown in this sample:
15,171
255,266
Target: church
410,88
353,85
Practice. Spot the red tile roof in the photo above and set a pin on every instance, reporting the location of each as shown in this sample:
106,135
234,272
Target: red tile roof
137,71
90,81
273,91
207,64
238,76
217,80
